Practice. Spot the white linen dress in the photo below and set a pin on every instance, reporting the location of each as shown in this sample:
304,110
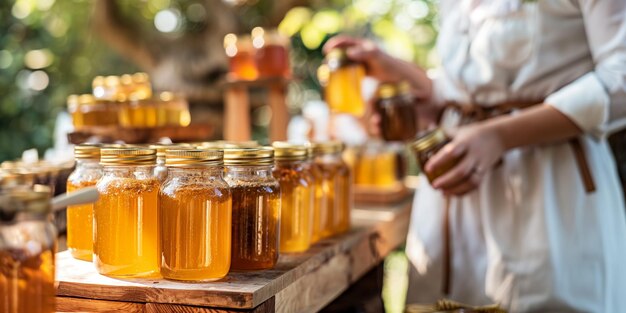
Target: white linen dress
530,237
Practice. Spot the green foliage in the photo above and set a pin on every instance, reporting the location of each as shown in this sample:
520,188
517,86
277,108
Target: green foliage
47,51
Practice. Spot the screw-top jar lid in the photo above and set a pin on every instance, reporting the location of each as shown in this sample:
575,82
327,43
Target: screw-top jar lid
140,78
429,139
127,156
337,58
287,151
87,151
387,90
181,157
327,147
249,156
24,199
162,147
239,144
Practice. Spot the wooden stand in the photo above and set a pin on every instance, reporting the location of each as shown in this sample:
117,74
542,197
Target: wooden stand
191,133
303,282
392,194
237,108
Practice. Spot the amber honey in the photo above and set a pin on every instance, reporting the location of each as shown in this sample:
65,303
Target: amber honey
240,57
271,54
173,110
126,216
196,211
296,189
343,85
344,200
27,281
320,201
86,111
376,168
139,114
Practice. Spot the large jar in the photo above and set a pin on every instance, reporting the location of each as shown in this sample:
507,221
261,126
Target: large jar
27,248
240,55
196,212
398,114
426,146
87,111
334,218
296,196
126,228
271,53
343,83
256,207
80,217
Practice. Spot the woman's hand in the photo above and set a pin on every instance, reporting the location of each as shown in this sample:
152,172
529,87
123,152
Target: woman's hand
377,63
478,147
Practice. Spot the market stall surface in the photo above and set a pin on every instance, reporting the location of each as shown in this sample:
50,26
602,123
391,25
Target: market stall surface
304,282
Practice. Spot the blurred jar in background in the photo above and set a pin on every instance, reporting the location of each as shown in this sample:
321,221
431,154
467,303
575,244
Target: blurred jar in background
271,53
140,114
397,111
342,79
240,54
87,111
27,249
80,217
296,196
376,165
106,88
174,110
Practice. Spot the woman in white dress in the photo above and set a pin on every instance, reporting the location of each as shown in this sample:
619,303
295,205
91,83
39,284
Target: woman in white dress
536,224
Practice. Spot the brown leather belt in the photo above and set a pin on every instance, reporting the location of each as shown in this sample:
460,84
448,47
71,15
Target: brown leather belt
473,113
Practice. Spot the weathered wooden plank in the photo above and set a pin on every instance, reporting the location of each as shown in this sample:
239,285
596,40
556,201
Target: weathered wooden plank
301,282
266,307
65,304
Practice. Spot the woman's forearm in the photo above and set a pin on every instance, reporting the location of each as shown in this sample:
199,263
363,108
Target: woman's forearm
415,75
541,124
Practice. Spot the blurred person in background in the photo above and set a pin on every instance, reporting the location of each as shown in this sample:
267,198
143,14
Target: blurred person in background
536,216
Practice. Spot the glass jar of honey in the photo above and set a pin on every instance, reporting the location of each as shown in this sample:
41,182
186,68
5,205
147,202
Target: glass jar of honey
196,211
80,217
342,78
271,53
376,165
240,53
106,88
398,115
141,114
256,208
87,111
126,228
173,110
320,201
427,145
296,196
337,184
27,249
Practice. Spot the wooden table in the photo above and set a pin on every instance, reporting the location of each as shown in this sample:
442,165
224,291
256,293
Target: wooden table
304,282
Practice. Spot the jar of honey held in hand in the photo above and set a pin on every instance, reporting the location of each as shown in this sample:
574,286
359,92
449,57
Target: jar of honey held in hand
80,217
296,189
337,185
196,211
256,207
27,249
342,78
126,227
426,146
397,111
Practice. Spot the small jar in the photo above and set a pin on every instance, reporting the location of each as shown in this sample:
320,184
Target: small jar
240,53
88,111
427,145
342,78
398,114
334,217
140,114
196,212
256,208
126,228
27,249
271,53
173,110
296,196
80,217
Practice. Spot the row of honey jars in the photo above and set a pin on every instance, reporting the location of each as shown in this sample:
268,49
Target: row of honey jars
265,54
27,249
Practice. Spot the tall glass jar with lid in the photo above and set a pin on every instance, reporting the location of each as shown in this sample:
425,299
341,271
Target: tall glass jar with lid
80,217
126,228
256,208
196,212
27,248
296,190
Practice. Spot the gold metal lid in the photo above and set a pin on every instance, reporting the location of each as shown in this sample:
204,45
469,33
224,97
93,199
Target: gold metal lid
429,139
194,157
162,147
127,156
87,152
387,90
249,156
287,151
327,147
239,144
24,199
85,99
